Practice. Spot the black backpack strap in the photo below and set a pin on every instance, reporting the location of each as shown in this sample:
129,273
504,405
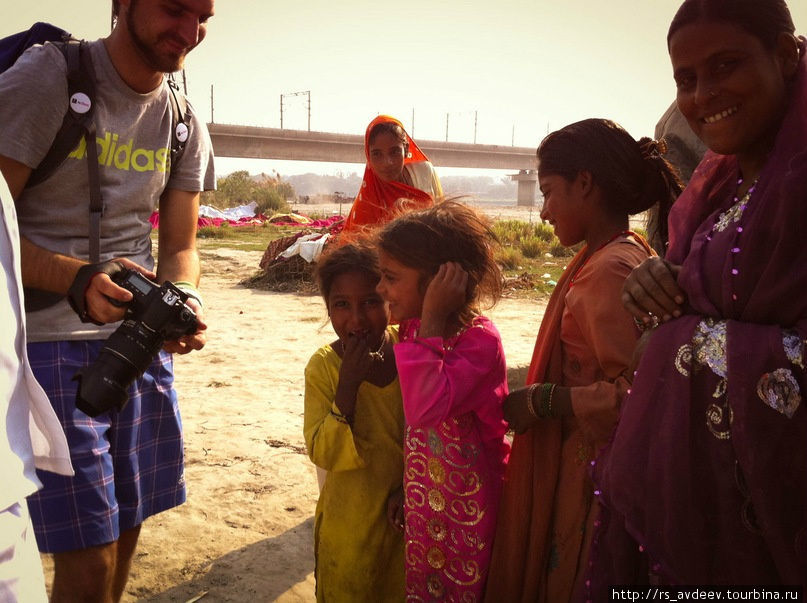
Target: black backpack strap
78,123
79,114
180,121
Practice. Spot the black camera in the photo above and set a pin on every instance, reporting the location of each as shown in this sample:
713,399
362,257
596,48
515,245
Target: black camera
157,313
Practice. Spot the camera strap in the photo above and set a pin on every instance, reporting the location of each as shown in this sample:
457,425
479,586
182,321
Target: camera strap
81,56
79,118
77,291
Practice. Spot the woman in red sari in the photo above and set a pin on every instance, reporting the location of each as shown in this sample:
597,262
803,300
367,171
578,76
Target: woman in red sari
705,481
396,169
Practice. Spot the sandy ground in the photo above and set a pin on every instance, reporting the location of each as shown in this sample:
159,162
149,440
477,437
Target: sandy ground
245,533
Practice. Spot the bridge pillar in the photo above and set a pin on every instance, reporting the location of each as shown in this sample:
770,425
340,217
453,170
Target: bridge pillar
527,181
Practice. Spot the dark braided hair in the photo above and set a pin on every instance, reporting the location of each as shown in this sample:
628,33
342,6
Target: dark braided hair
633,176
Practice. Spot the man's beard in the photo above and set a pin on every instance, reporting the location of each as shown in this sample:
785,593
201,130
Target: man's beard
155,60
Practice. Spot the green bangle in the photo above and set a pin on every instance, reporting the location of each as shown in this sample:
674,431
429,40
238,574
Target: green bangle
545,404
190,290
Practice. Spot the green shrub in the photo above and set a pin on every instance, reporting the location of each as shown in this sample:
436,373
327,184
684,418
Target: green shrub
510,232
216,232
271,193
557,250
509,258
533,246
270,201
544,230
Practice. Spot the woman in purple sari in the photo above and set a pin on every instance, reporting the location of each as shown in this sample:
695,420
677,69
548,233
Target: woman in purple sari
705,480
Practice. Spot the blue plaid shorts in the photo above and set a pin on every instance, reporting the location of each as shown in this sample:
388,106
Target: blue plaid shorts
129,464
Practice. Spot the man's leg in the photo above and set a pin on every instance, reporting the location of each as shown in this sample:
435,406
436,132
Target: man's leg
98,573
84,575
126,548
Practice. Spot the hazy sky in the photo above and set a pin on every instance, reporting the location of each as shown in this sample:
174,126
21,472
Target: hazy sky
524,66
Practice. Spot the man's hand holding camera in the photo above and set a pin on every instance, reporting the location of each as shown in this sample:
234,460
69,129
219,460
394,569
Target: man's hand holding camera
194,341
97,298
104,300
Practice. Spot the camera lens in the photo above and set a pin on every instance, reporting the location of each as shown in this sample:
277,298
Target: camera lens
124,357
103,385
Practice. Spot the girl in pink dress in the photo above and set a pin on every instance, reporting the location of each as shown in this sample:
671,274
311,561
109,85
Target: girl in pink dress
437,267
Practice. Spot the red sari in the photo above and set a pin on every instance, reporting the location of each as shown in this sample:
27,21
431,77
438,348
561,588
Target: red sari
375,203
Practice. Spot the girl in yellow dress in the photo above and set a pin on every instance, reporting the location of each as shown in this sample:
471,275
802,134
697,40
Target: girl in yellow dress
353,429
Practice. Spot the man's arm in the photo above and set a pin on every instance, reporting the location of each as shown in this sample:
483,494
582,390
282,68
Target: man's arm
41,268
50,271
178,259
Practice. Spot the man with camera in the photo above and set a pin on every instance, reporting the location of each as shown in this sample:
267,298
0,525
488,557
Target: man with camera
128,461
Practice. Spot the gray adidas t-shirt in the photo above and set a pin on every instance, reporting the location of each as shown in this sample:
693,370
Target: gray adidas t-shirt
134,142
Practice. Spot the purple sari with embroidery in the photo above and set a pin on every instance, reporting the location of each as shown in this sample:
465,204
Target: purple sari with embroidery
707,472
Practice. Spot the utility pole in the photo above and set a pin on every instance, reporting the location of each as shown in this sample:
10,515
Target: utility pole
412,130
212,121
475,115
305,92
513,137
446,127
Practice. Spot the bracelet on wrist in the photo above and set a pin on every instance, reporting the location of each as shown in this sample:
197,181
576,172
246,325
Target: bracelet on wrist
545,410
190,290
531,399
646,326
343,418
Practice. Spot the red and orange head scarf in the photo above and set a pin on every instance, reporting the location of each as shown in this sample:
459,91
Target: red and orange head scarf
375,203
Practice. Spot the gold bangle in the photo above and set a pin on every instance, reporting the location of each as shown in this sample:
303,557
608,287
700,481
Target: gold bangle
530,396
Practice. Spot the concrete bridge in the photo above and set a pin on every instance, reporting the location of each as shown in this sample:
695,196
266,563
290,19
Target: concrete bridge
302,145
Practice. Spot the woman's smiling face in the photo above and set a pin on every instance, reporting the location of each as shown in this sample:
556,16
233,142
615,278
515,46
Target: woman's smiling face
731,89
